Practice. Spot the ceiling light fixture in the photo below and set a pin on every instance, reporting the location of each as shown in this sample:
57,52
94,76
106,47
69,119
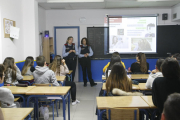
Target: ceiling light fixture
72,1
153,0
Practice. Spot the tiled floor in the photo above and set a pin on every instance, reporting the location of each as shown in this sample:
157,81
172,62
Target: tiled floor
86,109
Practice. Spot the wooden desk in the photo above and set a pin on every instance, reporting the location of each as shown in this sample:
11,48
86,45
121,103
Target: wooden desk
134,87
70,71
60,78
139,76
63,90
19,90
16,113
142,86
121,102
28,78
103,78
148,100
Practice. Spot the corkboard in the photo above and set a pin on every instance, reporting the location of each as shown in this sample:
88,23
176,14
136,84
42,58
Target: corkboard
7,24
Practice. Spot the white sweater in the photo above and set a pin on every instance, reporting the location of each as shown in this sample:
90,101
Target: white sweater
6,98
151,78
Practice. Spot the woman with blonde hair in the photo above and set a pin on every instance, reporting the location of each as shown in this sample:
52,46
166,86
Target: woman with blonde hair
60,69
28,67
12,72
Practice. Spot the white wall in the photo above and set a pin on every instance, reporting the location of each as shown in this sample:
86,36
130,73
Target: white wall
23,12
42,19
30,28
96,17
12,9
42,24
176,9
0,40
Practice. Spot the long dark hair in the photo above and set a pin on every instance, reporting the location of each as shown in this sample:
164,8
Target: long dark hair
118,79
29,62
9,67
114,59
2,69
143,64
55,65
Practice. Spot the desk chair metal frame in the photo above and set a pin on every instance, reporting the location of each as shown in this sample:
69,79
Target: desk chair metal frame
51,102
64,97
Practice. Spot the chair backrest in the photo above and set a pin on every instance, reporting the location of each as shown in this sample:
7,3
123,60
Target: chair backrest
123,114
42,85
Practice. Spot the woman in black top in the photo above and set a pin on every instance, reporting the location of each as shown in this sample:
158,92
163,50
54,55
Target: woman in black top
141,66
164,86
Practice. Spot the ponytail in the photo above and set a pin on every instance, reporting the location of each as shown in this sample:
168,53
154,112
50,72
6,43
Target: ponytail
143,63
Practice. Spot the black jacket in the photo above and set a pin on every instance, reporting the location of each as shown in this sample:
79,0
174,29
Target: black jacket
162,87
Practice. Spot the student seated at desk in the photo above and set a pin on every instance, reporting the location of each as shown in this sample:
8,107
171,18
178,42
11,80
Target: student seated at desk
114,59
60,68
114,54
155,73
28,67
164,86
171,108
12,72
118,83
141,66
6,96
1,115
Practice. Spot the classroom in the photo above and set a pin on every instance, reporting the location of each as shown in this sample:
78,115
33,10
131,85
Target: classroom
89,59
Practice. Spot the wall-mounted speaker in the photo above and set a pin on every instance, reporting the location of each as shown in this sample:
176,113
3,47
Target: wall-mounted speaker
164,16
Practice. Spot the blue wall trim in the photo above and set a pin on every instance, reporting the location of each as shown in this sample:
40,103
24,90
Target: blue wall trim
98,65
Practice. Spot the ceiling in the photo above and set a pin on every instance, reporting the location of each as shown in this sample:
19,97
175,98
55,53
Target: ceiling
108,4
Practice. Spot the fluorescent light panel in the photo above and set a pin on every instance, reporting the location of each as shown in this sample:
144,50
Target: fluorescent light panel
154,0
67,1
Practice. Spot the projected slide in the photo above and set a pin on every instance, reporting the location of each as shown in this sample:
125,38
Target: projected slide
132,34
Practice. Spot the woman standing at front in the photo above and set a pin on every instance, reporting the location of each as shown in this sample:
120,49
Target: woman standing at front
85,52
69,54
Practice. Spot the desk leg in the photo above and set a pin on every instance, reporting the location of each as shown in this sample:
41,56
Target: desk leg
71,77
64,109
24,100
100,117
104,93
69,106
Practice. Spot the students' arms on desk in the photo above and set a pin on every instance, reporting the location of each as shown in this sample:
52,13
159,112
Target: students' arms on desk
120,92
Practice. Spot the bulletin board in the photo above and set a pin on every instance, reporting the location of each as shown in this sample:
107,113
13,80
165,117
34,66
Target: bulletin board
7,24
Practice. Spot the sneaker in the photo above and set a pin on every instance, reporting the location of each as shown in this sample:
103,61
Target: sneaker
75,102
46,113
41,109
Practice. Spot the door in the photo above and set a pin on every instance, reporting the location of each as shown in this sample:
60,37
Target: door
61,35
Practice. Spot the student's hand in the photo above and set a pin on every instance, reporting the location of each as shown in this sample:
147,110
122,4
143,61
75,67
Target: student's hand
154,71
74,51
70,51
85,55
